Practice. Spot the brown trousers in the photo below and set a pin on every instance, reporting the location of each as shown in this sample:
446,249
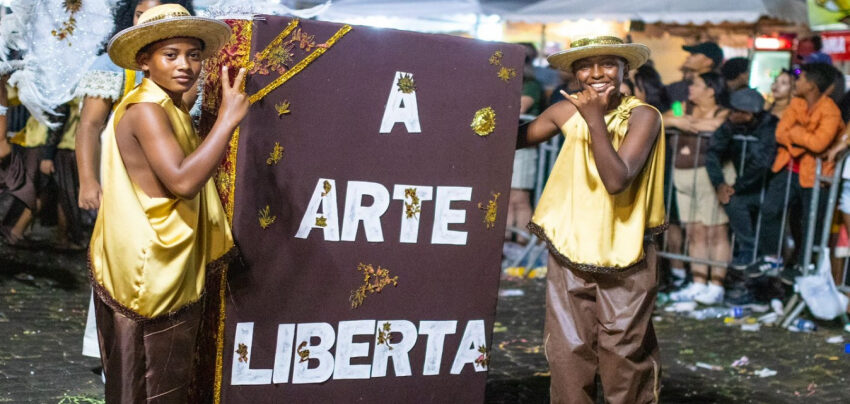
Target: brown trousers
601,323
150,361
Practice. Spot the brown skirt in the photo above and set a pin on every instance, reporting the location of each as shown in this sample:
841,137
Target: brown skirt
147,361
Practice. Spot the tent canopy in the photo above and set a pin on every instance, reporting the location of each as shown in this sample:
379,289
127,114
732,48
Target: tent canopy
665,11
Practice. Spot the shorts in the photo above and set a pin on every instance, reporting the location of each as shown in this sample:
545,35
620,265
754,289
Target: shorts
697,198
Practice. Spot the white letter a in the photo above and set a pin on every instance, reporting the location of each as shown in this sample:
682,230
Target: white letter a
401,105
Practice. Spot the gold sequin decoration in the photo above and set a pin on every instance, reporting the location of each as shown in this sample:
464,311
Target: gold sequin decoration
283,108
266,218
322,221
68,27
243,352
484,121
326,186
496,58
406,84
374,281
506,73
415,206
259,95
491,211
273,46
275,155
385,335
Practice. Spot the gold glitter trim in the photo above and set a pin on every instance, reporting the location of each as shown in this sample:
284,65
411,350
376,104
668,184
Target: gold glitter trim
259,95
231,159
484,121
173,14
275,155
276,41
599,40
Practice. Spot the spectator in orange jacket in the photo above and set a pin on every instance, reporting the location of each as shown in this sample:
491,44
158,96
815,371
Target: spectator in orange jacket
806,129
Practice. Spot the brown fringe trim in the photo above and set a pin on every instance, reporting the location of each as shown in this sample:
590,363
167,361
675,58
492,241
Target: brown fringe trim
566,262
213,267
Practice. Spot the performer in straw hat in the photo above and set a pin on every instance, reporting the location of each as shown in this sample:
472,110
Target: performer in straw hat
161,225
601,207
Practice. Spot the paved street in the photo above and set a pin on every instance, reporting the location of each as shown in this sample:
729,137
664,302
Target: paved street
44,297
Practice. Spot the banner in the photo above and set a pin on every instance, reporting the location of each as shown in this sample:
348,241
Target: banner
368,188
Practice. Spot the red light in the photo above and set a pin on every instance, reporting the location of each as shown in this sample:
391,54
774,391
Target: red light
772,43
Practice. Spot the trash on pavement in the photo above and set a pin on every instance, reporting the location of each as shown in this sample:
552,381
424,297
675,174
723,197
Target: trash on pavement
835,340
744,361
708,366
765,372
680,307
511,292
751,327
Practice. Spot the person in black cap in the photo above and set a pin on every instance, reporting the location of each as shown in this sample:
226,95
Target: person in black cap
741,200
736,72
704,57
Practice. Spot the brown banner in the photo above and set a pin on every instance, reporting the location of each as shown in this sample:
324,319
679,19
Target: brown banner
371,183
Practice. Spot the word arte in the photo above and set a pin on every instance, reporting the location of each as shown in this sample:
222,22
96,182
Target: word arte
404,336
323,206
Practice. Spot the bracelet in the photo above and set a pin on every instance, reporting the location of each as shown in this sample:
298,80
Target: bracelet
3,110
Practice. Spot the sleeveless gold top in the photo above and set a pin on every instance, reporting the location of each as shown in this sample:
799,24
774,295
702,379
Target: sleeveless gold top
587,228
150,255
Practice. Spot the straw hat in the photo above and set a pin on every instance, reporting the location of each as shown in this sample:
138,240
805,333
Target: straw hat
163,22
635,54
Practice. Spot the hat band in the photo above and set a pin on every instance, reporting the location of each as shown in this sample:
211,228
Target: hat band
602,40
167,15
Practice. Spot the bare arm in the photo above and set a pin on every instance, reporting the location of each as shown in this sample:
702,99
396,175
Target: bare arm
617,168
545,126
709,124
183,175
5,148
87,144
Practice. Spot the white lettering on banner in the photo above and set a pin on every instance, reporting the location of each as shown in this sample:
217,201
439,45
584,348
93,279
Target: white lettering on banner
401,106
436,332
327,201
354,212
396,350
444,215
301,372
242,373
410,223
347,349
467,351
403,337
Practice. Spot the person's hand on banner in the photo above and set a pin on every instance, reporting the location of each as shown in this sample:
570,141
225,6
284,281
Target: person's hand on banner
234,101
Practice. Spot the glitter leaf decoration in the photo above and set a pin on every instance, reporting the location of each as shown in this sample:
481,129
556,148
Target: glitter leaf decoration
374,281
484,121
385,335
406,84
321,221
283,108
491,211
243,352
266,219
415,206
327,187
275,155
304,354
483,360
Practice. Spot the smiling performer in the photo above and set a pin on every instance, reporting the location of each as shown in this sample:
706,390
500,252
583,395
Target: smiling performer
601,207
161,226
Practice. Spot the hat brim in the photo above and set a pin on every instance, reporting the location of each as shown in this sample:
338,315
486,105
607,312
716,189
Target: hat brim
635,54
125,45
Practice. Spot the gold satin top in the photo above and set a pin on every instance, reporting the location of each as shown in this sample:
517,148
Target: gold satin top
150,254
586,227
